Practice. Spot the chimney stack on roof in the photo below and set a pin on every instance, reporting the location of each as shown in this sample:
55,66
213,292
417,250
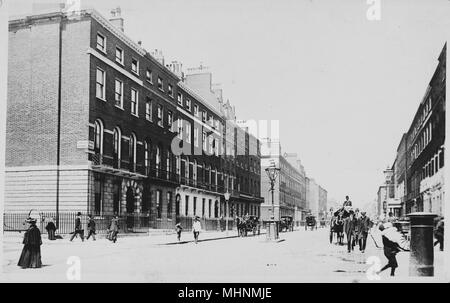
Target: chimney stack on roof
158,55
177,68
116,18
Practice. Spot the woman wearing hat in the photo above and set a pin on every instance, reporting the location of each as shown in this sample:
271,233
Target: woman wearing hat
31,252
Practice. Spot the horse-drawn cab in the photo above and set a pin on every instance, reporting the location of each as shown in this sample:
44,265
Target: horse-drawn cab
286,223
310,222
248,224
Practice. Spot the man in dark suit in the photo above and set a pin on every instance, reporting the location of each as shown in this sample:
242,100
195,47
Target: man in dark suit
365,224
349,229
78,228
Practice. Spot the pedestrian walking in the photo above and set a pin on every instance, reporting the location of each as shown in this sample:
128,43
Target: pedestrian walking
439,234
78,228
364,225
91,228
393,243
196,228
349,229
32,241
113,229
51,229
178,229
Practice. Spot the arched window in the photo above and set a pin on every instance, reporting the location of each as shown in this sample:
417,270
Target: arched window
132,152
147,148
98,137
117,142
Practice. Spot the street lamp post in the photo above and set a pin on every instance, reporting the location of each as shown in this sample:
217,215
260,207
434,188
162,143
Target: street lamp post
227,198
272,173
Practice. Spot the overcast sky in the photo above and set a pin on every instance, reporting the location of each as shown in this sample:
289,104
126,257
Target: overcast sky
344,88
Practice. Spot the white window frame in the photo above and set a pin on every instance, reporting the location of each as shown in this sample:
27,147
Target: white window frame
204,116
149,110
121,61
103,91
195,136
170,119
136,102
188,104
188,132
180,99
160,117
133,139
137,66
180,128
121,93
204,141
101,130
196,110
147,160
170,90
147,78
102,49
160,80
117,144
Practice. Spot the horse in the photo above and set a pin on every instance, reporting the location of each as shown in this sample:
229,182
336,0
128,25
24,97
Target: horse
241,225
337,227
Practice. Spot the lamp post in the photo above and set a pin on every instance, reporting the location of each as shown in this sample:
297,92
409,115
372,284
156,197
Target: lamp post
227,198
272,173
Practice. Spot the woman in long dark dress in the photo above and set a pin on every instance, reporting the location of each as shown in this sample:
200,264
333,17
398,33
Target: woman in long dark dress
31,252
51,228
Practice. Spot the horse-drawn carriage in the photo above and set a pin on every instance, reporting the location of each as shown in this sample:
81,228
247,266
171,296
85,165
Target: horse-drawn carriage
248,224
286,224
310,222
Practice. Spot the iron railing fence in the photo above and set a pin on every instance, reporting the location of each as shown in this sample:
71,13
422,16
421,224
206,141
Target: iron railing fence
128,223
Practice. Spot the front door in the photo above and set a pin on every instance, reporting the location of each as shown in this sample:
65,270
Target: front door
130,207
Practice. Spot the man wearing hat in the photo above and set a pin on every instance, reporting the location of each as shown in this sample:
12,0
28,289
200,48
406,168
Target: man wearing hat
364,226
31,252
196,228
78,228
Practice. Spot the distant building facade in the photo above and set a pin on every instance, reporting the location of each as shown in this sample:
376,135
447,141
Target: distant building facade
419,164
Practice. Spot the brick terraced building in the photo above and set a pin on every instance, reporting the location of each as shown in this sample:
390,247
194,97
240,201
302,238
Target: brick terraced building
97,124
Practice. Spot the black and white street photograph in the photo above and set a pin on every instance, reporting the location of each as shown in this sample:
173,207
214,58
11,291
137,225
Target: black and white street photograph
223,141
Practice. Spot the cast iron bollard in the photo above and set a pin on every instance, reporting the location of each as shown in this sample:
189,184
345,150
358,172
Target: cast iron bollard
421,245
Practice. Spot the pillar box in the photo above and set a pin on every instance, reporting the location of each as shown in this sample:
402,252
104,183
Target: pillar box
422,249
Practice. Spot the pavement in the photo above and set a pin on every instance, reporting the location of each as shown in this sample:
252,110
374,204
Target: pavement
161,237
300,256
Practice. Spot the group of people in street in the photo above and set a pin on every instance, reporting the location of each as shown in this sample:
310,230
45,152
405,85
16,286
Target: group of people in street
31,253
111,233
356,225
